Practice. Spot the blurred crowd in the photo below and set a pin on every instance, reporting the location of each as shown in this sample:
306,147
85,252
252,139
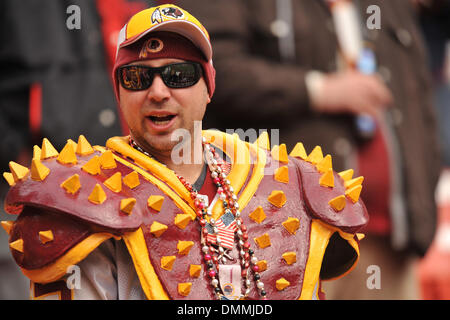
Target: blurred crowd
367,80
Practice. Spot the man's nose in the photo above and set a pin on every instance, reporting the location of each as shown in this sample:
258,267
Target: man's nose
158,91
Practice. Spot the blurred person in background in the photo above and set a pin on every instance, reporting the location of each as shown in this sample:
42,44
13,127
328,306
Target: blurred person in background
55,84
435,22
351,77
435,267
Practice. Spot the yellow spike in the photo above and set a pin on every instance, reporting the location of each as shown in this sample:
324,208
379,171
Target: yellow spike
155,202
194,270
92,166
107,160
282,283
97,195
299,151
184,247
114,183
46,236
354,193
354,182
84,148
279,153
67,155
346,175
7,225
338,203
360,236
36,152
290,257
167,262
18,171
327,179
277,198
263,141
282,174
126,205
315,156
182,220
9,178
48,150
258,215
291,225
157,229
38,171
72,184
184,288
73,144
263,241
131,180
211,139
324,165
17,245
262,265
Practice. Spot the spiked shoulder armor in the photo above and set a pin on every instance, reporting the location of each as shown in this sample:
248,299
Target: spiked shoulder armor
68,203
302,218
332,197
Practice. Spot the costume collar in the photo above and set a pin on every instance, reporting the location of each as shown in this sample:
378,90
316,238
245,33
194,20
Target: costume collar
240,153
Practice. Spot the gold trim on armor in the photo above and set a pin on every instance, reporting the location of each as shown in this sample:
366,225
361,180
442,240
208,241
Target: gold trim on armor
137,247
319,238
57,269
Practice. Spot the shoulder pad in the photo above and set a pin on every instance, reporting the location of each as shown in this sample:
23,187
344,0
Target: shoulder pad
84,186
38,237
77,199
329,197
45,244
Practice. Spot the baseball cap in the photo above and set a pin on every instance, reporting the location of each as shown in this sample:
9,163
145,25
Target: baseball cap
170,18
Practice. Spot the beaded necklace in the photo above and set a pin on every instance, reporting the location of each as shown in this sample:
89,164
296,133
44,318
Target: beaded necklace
214,251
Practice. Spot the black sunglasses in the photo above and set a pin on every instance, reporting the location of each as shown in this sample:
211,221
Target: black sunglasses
177,75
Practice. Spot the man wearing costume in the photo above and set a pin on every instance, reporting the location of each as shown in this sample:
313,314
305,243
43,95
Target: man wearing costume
203,215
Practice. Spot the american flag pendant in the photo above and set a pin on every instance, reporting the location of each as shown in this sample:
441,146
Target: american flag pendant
223,231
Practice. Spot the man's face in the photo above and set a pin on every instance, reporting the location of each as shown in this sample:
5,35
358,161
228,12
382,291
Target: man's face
154,114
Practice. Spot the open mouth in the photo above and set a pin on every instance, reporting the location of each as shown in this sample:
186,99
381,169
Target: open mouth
161,120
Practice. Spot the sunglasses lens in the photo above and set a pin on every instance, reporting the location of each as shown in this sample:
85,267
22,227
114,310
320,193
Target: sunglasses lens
178,75
135,78
181,75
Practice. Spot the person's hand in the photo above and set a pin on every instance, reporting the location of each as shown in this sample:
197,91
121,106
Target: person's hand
351,92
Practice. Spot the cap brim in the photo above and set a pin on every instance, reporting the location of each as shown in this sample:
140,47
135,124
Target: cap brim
185,28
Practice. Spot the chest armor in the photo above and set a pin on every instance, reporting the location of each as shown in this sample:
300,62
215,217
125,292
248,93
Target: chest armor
283,202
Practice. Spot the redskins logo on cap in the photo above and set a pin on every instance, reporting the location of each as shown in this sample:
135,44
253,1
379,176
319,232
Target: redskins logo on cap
172,12
168,12
156,16
150,46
